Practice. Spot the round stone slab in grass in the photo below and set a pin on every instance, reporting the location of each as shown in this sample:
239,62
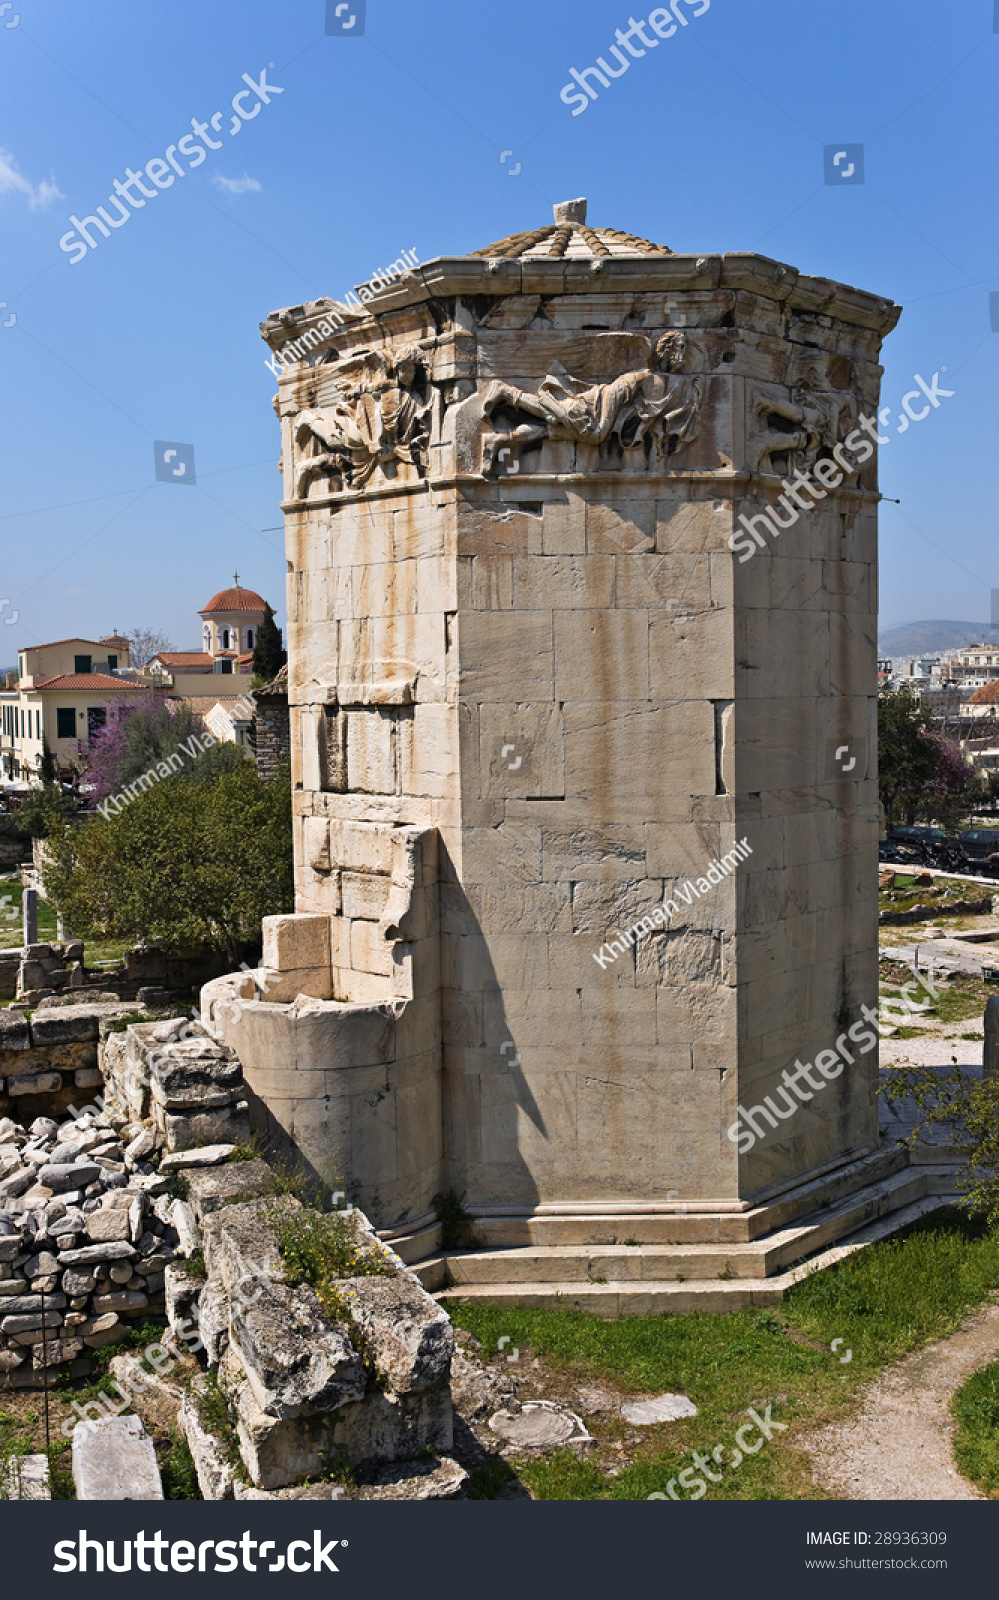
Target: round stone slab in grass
540,1425
663,1408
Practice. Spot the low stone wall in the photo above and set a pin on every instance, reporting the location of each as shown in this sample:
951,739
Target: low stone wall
49,1062
949,908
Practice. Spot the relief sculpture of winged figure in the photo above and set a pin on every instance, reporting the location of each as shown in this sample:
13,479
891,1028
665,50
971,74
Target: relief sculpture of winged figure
654,397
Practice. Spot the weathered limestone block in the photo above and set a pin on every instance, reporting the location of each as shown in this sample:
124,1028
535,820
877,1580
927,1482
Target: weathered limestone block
64,1025
225,1124
193,1068
436,1478
214,1469
213,1320
14,1032
297,951
181,1292
234,1184
115,1460
282,1451
408,1336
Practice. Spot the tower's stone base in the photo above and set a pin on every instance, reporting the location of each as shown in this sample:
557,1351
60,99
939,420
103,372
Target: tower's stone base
629,1264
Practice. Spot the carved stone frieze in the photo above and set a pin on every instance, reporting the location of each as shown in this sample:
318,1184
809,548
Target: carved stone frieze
377,417
654,404
791,428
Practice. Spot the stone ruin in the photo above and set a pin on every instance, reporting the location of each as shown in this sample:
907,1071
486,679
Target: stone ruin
94,1235
534,702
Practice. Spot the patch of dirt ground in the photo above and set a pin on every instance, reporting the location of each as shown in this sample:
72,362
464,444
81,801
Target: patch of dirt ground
898,1443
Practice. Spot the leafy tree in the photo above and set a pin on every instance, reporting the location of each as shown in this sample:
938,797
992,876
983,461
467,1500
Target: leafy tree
226,756
44,810
185,864
920,773
268,655
148,730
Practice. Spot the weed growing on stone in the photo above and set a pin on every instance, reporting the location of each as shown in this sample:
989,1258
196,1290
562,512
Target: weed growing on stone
217,1411
194,1266
457,1224
289,1178
120,1024
321,1249
247,1149
178,1187
177,1469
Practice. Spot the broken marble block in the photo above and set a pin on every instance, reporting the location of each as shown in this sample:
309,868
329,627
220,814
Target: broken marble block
372,1380
114,1459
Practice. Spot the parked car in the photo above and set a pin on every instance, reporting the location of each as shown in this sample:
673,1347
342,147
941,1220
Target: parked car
980,843
916,835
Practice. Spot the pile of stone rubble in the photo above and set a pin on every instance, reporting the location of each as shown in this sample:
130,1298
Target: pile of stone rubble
85,1238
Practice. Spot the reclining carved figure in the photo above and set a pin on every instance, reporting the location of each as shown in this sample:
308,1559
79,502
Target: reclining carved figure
628,408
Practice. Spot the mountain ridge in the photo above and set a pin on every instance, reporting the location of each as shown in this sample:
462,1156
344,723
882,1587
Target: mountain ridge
917,638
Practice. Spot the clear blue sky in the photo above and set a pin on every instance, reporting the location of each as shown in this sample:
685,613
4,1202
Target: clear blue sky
712,141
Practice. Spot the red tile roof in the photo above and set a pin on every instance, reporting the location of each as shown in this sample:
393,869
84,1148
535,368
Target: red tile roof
988,694
85,680
235,600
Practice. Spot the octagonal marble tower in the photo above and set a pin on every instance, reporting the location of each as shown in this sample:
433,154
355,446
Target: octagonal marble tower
538,690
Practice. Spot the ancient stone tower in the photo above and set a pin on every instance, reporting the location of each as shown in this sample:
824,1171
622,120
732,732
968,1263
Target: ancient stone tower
542,683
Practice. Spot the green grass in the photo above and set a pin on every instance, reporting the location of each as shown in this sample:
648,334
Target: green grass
177,1469
957,1000
97,952
16,1439
884,1301
976,1444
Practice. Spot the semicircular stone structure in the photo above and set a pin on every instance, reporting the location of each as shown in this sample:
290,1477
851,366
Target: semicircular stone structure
583,740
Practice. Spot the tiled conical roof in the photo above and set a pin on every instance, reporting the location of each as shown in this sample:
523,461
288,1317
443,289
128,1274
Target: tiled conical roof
569,236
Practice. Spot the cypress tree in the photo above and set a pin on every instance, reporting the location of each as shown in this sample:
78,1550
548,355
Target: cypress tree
268,655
